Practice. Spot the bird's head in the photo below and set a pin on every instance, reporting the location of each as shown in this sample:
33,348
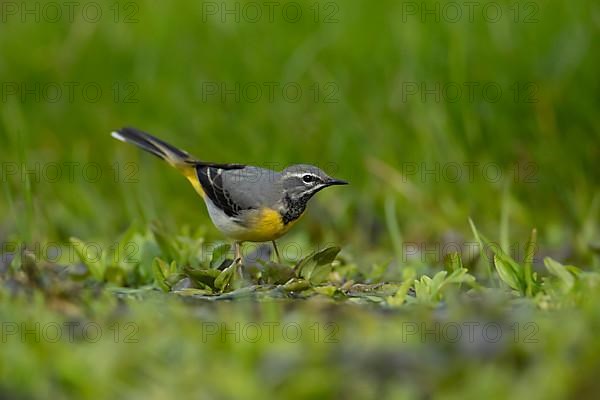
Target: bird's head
303,181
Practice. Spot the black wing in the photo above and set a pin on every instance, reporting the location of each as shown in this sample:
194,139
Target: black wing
211,179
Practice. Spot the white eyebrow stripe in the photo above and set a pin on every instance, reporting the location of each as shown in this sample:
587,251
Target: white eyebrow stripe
301,174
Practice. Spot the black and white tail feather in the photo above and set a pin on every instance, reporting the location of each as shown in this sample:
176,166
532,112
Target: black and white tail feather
178,158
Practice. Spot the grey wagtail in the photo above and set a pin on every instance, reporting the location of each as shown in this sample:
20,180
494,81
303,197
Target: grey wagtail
245,203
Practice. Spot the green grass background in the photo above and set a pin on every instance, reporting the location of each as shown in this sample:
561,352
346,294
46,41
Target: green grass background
369,55
547,151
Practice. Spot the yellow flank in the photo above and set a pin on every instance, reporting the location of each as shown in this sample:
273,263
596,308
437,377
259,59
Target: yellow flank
190,174
265,225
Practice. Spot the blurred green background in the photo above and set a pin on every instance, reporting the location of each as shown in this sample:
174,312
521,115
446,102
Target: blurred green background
433,116
167,69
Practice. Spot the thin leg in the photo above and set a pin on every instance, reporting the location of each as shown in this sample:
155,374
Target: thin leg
276,252
237,246
238,258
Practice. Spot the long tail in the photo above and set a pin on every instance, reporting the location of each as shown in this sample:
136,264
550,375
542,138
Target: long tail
172,155
177,158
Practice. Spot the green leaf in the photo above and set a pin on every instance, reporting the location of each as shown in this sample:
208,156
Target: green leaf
219,255
429,290
459,276
327,256
328,290
173,279
320,274
225,277
423,289
506,273
203,276
453,261
173,267
528,264
481,247
296,285
507,262
307,262
437,281
315,268
159,268
560,271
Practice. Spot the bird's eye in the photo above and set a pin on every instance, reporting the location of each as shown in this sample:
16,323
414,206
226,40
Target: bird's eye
308,178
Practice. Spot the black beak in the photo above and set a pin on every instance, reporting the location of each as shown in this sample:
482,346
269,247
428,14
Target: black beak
333,182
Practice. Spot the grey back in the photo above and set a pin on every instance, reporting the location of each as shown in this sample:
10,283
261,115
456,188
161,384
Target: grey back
251,187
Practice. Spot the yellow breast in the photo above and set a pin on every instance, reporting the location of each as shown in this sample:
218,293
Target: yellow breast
265,225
